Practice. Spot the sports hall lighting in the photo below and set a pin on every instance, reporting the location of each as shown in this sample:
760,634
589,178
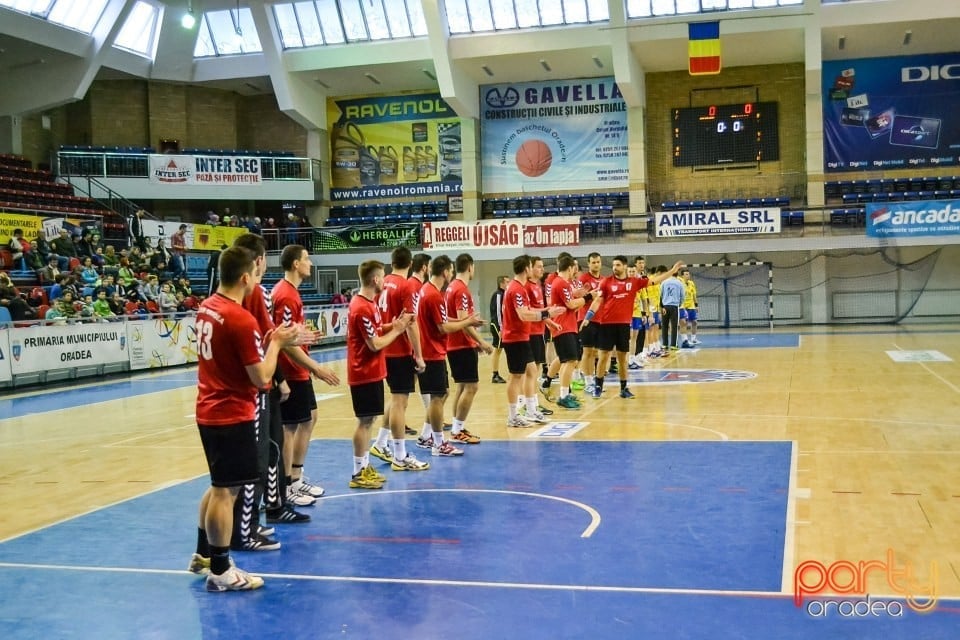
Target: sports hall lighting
907,37
429,74
372,78
487,70
188,21
597,61
546,67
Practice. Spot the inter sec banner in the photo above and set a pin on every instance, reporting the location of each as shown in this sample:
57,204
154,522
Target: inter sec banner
513,233
47,347
717,222
890,113
913,218
162,342
393,147
555,135
204,170
403,234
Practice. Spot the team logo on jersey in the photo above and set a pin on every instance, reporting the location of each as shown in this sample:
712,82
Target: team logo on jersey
686,376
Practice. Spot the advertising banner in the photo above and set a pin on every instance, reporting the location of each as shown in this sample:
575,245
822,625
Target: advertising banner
162,342
548,136
914,218
515,233
889,113
5,374
332,321
717,222
30,224
42,348
403,234
200,237
210,170
394,146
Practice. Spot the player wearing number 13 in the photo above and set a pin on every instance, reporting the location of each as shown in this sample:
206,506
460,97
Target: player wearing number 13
233,366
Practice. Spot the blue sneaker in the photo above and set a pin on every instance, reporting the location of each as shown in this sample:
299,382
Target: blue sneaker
626,393
596,392
568,402
686,345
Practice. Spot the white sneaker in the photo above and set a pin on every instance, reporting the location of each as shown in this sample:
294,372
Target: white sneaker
308,488
536,416
409,464
233,579
299,499
519,422
694,340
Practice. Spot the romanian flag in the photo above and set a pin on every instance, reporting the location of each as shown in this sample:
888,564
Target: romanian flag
704,48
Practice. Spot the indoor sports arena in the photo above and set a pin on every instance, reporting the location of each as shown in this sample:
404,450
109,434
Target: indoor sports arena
479,318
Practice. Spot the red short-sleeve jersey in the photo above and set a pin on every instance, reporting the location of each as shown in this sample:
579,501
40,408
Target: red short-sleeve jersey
590,283
395,299
288,308
364,321
431,313
228,340
561,292
618,298
458,298
514,329
537,301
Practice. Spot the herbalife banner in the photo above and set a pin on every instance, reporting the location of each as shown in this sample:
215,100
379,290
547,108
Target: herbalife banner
393,147
891,113
551,136
328,239
209,170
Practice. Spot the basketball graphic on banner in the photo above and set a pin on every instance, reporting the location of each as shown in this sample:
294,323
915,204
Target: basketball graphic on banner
534,158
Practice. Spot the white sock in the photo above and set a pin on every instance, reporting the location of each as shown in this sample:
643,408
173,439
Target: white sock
437,438
426,400
532,405
512,411
564,392
457,426
382,437
426,431
357,464
366,459
521,402
400,450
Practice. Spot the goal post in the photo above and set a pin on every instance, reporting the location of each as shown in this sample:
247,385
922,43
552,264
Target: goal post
734,294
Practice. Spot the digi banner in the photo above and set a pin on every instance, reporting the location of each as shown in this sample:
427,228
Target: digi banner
913,218
47,347
31,224
204,170
891,113
516,233
199,237
717,222
555,135
393,147
5,374
162,342
402,234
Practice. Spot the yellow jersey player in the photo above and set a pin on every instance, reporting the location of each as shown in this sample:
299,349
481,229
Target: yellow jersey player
688,311
638,324
653,348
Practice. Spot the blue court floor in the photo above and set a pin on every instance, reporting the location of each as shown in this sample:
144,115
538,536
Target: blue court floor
514,540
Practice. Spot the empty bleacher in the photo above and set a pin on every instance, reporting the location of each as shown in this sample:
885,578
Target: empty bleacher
387,213
24,188
594,205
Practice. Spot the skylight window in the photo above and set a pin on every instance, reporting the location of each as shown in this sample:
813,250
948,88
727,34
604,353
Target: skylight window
310,24
648,8
475,16
225,33
139,33
81,15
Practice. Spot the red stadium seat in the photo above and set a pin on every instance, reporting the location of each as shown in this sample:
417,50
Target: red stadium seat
152,307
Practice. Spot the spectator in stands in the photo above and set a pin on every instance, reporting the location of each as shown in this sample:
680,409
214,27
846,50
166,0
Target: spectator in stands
212,218
137,260
64,248
167,300
111,260
160,258
107,284
101,307
53,313
255,226
65,306
51,272
135,229
86,306
178,251
90,277
22,251
213,266
183,286
126,274
70,284
117,304
340,298
151,290
41,246
95,242
84,250
15,303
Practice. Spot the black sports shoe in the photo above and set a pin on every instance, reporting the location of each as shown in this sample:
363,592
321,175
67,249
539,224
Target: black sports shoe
256,542
410,432
497,379
545,411
286,515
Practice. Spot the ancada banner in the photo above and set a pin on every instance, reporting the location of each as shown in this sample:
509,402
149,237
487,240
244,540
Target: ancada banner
386,147
891,113
913,218
517,233
553,136
199,170
404,234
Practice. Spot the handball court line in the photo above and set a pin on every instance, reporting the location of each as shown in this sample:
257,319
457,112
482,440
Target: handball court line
932,372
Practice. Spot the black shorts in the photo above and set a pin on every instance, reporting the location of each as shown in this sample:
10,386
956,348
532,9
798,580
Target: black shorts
568,350
614,337
590,335
401,374
547,336
495,335
301,402
538,348
231,452
519,355
367,399
262,430
464,365
433,380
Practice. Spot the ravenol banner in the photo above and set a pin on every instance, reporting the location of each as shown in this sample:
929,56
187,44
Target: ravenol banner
394,147
890,113
913,218
553,136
